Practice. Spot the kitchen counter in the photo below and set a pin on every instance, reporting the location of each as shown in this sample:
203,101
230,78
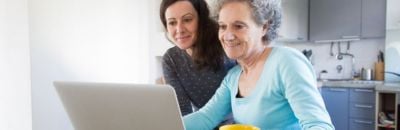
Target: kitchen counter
388,87
351,84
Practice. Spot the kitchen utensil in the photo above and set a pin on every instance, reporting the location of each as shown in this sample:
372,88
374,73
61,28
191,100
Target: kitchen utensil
331,52
366,74
379,71
338,55
320,74
307,53
381,57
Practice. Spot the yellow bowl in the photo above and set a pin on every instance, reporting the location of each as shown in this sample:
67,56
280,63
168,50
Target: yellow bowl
238,127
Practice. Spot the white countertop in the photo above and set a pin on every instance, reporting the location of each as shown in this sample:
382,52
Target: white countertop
377,85
351,84
388,87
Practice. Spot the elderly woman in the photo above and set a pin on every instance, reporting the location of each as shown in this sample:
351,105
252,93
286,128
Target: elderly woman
272,87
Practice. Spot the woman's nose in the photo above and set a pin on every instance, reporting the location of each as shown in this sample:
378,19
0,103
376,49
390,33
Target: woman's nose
180,28
229,36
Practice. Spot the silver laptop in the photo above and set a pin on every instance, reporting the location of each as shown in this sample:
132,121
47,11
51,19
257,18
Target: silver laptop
106,106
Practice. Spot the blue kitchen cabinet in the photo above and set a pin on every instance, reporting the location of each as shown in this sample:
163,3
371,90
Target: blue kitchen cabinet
350,108
337,103
362,109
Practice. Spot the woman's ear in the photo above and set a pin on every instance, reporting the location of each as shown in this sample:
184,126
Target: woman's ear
265,27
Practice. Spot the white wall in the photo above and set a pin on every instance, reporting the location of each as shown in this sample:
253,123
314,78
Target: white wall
158,42
365,52
84,40
15,90
392,56
392,40
392,14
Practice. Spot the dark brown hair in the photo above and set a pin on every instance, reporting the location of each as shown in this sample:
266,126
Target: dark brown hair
207,49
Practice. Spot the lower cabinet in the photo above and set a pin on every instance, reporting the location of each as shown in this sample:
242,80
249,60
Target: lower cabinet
350,108
359,124
337,102
362,109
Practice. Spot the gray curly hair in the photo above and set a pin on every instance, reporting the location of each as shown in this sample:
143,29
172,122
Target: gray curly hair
263,11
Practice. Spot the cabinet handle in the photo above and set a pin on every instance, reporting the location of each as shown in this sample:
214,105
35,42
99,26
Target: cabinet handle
363,106
338,89
363,122
364,90
350,37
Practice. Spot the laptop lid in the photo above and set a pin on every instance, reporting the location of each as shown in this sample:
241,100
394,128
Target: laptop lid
107,106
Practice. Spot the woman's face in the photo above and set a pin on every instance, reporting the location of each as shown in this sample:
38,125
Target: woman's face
182,21
239,34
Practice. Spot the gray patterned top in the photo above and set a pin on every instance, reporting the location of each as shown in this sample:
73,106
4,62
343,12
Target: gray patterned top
192,86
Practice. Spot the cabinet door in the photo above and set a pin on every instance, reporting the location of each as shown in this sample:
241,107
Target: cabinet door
362,95
362,110
361,124
373,18
337,102
335,19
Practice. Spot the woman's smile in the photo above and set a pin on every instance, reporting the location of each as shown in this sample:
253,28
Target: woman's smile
183,38
232,44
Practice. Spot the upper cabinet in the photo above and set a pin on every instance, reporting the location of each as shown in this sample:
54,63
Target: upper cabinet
373,19
294,25
346,19
335,19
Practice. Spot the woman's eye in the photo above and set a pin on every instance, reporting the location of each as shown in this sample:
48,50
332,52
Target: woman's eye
187,20
222,27
172,23
239,26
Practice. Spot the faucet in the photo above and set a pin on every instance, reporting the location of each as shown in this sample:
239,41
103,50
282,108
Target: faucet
353,67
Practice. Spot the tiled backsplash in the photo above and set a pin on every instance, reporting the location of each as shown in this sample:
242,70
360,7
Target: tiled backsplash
364,51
